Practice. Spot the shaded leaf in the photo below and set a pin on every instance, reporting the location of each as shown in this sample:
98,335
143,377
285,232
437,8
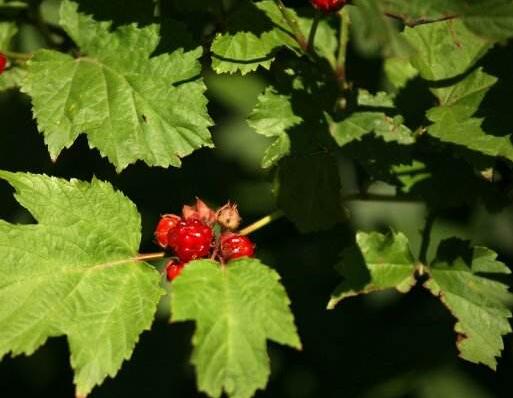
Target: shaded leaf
271,117
376,263
309,191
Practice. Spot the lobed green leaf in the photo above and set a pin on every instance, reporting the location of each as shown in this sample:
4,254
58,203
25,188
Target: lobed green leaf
132,106
75,273
236,308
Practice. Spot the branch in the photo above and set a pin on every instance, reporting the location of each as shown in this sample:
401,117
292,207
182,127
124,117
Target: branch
426,237
421,21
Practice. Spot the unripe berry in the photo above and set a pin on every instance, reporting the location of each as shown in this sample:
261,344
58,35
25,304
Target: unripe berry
328,6
3,62
166,223
190,239
173,269
235,246
200,211
228,216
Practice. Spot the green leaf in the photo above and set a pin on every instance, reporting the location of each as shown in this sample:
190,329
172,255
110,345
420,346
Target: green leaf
271,117
12,78
470,134
309,191
372,28
444,49
7,32
453,122
256,31
359,124
399,71
377,262
479,304
131,106
236,309
492,19
463,98
74,273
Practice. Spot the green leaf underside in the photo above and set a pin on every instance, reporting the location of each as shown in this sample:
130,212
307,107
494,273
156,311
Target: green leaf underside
236,309
370,25
271,117
480,305
74,273
131,106
379,262
445,49
491,19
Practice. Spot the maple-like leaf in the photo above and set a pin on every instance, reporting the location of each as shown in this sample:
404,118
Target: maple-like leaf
75,273
479,304
378,262
133,106
236,309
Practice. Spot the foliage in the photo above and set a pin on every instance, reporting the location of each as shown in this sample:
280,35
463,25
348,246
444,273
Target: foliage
135,81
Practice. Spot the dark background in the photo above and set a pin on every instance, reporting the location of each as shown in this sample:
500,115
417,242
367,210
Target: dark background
383,345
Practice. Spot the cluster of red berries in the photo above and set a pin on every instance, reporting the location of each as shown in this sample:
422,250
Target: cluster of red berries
200,233
328,6
3,62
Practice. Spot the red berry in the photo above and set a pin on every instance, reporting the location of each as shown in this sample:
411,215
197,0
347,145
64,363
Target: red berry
3,62
190,239
235,246
166,223
173,269
328,6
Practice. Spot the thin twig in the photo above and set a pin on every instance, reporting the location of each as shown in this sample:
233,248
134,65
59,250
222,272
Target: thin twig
426,237
313,31
16,56
262,222
420,21
340,67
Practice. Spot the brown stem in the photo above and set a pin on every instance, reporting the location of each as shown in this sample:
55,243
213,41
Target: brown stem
420,21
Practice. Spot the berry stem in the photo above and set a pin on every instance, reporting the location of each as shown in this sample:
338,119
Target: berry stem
149,256
426,237
17,56
345,22
294,25
262,222
313,31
